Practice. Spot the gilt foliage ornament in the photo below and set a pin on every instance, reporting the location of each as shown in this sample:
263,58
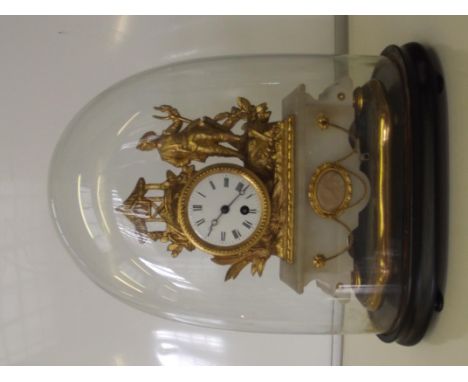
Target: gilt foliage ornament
264,148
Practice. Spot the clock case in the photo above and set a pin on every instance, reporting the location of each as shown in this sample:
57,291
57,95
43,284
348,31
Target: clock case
417,192
258,232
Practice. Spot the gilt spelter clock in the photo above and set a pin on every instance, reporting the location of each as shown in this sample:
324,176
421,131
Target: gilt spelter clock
239,214
297,194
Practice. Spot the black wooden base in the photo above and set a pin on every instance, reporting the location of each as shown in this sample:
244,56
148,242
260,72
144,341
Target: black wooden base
425,161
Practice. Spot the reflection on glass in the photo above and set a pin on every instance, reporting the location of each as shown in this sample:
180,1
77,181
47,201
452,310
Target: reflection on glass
179,348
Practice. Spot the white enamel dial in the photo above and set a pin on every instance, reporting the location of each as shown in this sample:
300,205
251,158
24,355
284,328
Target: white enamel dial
226,208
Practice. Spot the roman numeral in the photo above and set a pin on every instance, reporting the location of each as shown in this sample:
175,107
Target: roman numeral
212,185
197,207
199,193
248,197
226,182
199,222
223,236
247,224
253,211
236,234
240,187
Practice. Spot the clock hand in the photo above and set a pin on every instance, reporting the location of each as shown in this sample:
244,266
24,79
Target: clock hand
230,204
224,210
241,192
213,223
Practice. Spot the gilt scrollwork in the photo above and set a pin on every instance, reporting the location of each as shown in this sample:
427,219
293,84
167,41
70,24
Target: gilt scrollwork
264,147
141,209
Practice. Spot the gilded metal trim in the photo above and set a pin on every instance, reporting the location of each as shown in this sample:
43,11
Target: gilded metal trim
323,122
267,152
182,210
140,209
314,188
285,189
291,179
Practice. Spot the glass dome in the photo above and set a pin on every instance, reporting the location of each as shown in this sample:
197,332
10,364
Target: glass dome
245,193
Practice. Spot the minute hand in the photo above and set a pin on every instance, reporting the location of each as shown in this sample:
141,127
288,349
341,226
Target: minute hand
241,192
215,221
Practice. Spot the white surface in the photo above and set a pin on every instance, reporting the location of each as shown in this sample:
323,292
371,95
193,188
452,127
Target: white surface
447,341
50,312
319,147
209,223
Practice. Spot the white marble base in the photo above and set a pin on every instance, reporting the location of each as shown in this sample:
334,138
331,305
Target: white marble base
314,146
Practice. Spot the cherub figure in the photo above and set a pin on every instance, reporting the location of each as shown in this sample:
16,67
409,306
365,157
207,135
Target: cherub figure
179,145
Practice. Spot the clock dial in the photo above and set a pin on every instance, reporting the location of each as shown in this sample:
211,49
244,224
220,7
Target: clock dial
226,208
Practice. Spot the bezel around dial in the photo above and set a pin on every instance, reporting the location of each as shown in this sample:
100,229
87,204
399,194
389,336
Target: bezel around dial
183,210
